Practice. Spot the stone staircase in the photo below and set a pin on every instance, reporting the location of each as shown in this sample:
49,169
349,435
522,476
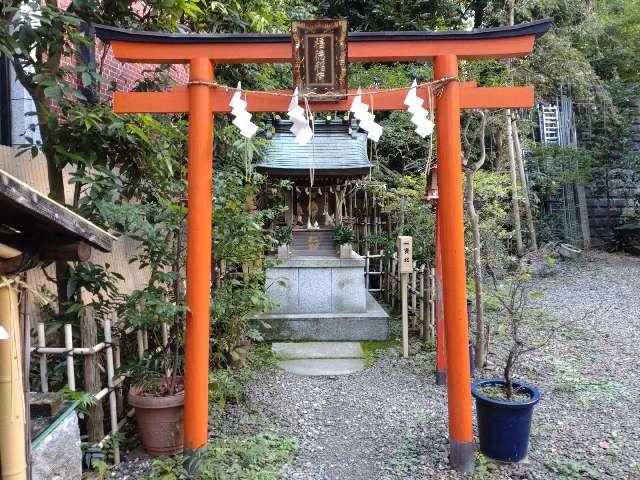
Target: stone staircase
313,243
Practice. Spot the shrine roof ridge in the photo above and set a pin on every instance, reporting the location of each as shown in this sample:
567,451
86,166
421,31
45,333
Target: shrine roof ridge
108,33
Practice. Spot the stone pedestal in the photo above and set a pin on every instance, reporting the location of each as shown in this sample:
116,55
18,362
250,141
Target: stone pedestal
322,298
318,285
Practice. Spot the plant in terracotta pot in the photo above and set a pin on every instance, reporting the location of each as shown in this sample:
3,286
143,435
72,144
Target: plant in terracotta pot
156,383
343,236
157,313
504,406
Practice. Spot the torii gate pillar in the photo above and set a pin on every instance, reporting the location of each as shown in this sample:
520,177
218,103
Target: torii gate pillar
451,226
199,257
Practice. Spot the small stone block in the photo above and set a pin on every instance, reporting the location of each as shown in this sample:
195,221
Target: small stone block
299,350
323,367
45,404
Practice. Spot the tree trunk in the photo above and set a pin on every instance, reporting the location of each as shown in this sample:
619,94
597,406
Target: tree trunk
482,329
525,187
92,383
515,206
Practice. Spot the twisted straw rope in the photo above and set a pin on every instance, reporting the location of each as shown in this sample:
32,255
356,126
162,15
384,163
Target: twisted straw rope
436,85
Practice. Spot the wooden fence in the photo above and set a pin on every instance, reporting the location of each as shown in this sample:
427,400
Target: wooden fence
383,281
110,348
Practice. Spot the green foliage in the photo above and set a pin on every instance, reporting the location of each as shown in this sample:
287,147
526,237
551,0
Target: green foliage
371,349
284,234
260,457
588,388
569,468
406,458
85,399
225,388
484,467
343,235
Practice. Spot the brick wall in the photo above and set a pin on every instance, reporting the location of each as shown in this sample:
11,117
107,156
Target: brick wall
125,75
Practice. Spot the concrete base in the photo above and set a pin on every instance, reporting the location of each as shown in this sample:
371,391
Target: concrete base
462,456
370,325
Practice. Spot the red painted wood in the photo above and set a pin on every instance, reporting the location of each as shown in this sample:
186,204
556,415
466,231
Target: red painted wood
177,100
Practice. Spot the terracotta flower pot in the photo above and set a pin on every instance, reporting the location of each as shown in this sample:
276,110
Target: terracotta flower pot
159,421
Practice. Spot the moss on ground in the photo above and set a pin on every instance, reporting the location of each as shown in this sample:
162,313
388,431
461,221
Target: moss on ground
370,349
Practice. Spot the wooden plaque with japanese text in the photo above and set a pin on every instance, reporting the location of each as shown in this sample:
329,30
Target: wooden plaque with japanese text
320,59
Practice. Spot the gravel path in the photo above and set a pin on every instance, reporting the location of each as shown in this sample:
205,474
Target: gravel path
389,421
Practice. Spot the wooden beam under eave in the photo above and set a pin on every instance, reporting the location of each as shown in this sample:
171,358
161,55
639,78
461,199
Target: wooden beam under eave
177,100
388,51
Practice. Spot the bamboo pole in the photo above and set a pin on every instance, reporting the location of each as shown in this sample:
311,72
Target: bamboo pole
13,462
44,379
68,343
525,188
113,412
140,340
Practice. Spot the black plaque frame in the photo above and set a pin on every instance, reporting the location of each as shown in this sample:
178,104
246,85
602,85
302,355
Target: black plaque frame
320,59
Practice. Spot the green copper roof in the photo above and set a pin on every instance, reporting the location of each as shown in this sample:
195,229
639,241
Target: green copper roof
333,150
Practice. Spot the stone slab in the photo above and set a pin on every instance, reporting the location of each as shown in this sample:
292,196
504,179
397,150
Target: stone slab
348,293
324,366
57,455
291,351
370,325
282,286
314,290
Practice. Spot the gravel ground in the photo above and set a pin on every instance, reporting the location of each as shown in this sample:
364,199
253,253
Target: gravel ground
389,421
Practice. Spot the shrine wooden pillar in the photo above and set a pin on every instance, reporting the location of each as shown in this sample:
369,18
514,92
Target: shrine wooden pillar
199,258
451,226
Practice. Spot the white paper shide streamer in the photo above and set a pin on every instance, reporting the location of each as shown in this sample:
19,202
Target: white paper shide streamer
298,117
419,115
242,118
367,119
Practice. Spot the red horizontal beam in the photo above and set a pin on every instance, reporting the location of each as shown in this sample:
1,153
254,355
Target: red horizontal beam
177,100
368,51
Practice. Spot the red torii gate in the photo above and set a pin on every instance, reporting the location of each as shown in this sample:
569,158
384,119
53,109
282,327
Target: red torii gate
201,98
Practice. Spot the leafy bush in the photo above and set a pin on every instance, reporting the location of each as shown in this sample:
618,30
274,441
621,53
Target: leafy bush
343,235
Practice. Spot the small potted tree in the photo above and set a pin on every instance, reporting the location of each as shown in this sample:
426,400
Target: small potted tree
343,236
504,406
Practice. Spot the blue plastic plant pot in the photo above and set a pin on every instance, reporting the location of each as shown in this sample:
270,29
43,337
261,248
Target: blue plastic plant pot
503,426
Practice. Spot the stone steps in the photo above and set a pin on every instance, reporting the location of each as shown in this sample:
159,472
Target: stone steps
320,358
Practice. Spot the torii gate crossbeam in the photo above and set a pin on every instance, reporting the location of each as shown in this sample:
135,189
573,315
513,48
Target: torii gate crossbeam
201,100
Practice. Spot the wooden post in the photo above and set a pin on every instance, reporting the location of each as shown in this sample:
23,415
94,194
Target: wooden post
405,267
92,383
404,280
453,266
199,259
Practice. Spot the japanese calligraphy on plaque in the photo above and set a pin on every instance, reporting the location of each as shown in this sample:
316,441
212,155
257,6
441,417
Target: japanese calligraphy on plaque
320,58
405,254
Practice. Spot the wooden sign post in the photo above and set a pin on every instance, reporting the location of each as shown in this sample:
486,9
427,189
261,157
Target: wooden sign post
405,267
